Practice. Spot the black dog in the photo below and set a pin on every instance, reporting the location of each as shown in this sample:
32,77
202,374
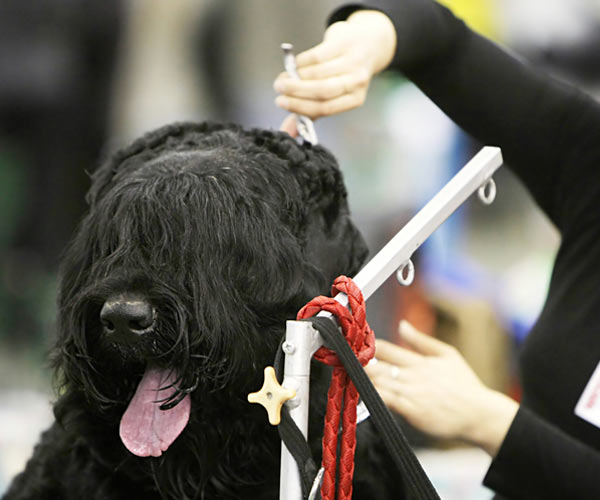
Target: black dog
200,241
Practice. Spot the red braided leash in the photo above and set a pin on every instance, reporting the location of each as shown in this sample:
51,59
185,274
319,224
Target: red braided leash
342,392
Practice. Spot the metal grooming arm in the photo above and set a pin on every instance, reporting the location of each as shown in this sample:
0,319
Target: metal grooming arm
302,340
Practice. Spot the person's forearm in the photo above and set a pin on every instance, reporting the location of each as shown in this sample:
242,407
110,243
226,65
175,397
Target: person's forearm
539,460
546,129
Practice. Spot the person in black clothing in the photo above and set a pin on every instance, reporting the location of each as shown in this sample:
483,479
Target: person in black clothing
549,445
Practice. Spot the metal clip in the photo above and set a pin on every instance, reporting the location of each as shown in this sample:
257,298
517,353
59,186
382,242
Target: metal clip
487,192
306,127
316,484
410,273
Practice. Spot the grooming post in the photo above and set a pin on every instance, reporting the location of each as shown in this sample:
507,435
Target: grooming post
302,340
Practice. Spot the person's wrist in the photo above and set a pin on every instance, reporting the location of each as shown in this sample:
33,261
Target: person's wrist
492,416
381,36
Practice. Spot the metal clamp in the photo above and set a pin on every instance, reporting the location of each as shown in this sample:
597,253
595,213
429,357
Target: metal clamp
272,395
487,192
306,127
410,273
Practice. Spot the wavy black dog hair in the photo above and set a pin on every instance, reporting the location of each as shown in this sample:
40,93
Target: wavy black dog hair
228,232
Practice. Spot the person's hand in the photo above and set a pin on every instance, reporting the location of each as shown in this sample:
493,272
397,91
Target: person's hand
437,392
335,74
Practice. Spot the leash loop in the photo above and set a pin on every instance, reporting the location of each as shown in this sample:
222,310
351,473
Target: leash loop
342,398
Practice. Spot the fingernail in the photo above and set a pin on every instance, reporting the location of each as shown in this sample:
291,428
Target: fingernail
282,102
401,326
405,328
279,86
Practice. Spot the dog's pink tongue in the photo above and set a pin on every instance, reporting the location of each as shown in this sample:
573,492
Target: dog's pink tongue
145,429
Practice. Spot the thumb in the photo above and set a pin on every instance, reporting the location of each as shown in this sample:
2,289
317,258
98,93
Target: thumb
421,342
289,125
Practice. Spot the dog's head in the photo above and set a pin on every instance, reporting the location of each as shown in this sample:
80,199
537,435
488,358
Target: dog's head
201,239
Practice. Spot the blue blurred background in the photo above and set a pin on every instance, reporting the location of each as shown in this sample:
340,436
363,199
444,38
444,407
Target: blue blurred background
78,79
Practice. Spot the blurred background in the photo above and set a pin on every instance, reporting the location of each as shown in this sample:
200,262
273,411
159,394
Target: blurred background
78,79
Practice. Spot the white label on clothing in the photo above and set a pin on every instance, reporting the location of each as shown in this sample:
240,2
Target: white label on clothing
362,413
588,406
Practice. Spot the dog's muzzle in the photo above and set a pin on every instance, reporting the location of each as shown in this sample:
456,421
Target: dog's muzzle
127,317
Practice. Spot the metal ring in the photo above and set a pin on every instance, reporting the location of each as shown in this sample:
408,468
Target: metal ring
487,192
410,276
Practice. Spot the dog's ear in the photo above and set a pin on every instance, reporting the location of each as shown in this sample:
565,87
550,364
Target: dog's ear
356,249
333,244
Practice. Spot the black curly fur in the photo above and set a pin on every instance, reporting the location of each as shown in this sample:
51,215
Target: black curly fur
227,232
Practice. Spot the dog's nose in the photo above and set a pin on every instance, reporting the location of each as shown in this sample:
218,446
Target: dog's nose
127,317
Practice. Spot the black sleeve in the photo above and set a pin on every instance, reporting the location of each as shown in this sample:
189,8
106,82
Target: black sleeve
548,131
538,460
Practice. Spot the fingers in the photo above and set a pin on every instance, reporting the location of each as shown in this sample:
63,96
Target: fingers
318,90
397,403
395,355
315,109
422,343
333,79
323,87
381,369
328,69
393,385
315,98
